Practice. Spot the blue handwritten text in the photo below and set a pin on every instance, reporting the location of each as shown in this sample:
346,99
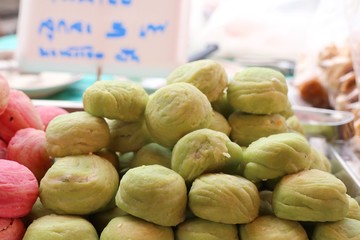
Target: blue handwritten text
109,2
152,28
127,55
50,26
118,30
84,52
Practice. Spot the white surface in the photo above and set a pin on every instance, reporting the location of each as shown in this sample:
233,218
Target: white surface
40,85
259,28
104,29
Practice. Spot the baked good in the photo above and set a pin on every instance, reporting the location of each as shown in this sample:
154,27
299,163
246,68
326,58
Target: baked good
354,208
346,228
175,110
207,75
272,228
246,128
18,189
204,151
220,123
60,227
130,227
3,149
294,124
47,113
319,160
222,105
152,153
224,198
276,155
76,133
197,228
127,136
73,185
115,99
310,195
38,210
28,147
154,193
101,219
109,155
258,90
11,229
4,94
20,113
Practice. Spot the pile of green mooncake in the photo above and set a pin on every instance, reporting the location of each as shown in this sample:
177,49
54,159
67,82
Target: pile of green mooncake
202,158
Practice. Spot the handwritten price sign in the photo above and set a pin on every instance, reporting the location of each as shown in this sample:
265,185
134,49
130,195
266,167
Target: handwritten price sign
135,38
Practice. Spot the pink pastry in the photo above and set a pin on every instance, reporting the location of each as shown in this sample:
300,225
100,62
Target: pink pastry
18,189
20,113
11,229
3,148
4,93
28,147
47,113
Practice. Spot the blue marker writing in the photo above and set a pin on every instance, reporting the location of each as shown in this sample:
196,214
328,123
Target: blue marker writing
127,54
48,26
118,30
152,28
82,52
110,2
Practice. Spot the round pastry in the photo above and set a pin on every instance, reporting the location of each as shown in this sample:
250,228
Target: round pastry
197,228
127,136
204,151
224,198
258,90
20,113
175,110
38,210
109,155
47,113
18,189
124,162
101,219
76,133
154,193
73,184
294,124
130,227
310,195
265,202
28,147
60,227
11,229
276,155
207,75
220,123
246,128
346,228
4,94
272,228
319,161
354,208
3,149
115,99
222,105
152,153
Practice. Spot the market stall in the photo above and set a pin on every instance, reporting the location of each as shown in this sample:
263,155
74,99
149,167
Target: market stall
226,133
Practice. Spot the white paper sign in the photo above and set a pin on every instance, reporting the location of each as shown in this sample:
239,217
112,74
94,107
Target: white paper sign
135,38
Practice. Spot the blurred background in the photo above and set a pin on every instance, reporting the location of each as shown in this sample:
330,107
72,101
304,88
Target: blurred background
308,40
8,16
